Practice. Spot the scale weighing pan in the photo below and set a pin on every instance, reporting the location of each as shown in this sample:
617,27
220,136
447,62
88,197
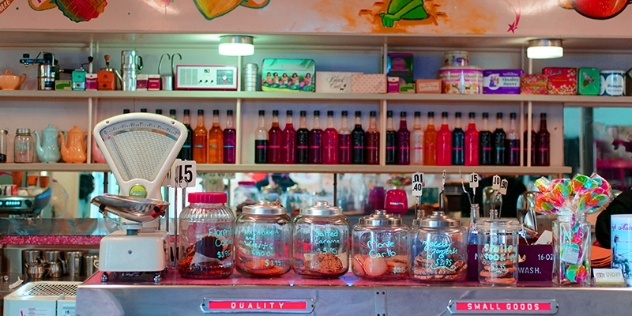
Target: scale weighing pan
133,209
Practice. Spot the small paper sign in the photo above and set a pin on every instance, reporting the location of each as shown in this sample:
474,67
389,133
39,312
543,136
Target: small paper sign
418,183
503,186
496,183
182,174
473,180
608,277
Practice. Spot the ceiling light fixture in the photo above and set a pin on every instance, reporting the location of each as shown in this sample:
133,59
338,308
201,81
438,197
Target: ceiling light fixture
545,48
236,45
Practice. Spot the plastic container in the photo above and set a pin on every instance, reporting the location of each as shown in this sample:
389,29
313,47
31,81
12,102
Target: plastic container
320,237
498,251
380,247
263,235
396,202
246,190
23,146
438,250
207,228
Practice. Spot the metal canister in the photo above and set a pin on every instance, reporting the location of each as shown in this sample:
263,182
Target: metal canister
250,80
612,83
46,77
130,63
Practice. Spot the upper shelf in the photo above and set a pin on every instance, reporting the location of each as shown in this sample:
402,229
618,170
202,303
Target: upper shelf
568,100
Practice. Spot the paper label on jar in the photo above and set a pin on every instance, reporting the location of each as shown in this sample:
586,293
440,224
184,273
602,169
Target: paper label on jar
570,253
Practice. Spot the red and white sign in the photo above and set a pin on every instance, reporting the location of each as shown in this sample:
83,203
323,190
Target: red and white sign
507,307
257,306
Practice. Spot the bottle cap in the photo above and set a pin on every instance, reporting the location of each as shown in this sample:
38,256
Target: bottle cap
275,112
125,111
229,112
303,113
215,112
444,114
330,113
472,115
187,112
172,112
207,197
358,113
158,111
457,114
316,113
345,113
499,115
430,114
417,114
512,115
485,115
373,113
143,110
402,114
289,113
542,115
201,111
389,113
262,112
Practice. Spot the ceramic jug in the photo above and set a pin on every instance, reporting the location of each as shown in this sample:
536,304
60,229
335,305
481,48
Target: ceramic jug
97,155
73,150
47,147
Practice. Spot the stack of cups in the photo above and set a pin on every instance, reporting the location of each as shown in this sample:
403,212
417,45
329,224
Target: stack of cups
250,80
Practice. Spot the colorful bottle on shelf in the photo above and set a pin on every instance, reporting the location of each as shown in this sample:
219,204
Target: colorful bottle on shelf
172,113
200,140
302,139
485,144
403,141
316,141
417,142
330,141
430,142
444,142
357,139
186,153
261,140
458,142
274,139
543,143
372,143
498,143
215,140
345,153
529,152
229,139
471,142
288,140
391,140
513,142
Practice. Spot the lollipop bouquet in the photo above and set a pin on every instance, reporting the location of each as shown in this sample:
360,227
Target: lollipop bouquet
571,200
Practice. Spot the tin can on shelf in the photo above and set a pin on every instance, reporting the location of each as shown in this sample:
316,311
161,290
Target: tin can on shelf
263,237
380,247
250,78
321,242
456,58
461,80
588,81
612,83
498,251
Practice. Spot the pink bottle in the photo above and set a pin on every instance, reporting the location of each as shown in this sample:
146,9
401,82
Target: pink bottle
444,142
330,141
471,142
288,141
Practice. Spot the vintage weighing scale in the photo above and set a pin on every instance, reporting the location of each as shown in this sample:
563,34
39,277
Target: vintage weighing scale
140,149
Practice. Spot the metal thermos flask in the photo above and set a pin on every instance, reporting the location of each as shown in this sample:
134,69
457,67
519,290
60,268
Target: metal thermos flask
130,64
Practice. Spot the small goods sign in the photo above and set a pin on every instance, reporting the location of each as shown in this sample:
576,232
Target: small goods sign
298,306
503,307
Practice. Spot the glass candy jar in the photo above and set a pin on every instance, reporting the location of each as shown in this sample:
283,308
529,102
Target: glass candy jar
438,252
571,250
498,251
247,192
23,146
263,235
321,242
206,237
380,247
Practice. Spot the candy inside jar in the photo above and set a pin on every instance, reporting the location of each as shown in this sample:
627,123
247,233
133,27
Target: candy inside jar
321,242
498,251
380,247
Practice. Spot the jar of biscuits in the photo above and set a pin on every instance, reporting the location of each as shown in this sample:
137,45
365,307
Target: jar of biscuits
498,251
321,242
206,237
263,237
438,253
380,247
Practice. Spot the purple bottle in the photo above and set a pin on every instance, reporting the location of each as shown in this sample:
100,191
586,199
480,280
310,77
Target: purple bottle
403,141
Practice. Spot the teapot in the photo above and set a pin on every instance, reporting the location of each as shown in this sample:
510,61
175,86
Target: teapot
47,149
74,150
97,155
9,81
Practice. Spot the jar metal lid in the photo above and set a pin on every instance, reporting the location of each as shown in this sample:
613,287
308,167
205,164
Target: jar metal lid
501,224
321,208
23,131
295,189
4,131
438,219
264,208
380,218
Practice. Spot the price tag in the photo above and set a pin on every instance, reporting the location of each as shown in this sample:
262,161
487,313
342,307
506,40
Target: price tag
570,253
474,180
418,183
182,174
503,186
496,182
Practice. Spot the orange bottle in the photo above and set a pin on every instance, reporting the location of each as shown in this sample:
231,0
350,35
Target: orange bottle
200,140
215,140
430,142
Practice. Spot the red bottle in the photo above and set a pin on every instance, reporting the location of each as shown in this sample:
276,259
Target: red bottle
403,141
444,142
345,153
372,141
430,142
288,141
274,139
471,142
330,141
230,139
316,141
543,143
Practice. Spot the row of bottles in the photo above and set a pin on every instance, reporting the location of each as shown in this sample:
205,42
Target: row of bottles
442,147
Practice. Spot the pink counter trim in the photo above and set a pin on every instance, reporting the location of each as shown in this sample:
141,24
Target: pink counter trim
51,240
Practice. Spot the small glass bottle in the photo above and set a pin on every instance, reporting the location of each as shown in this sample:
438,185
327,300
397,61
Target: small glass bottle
229,139
320,237
288,140
498,146
345,153
357,140
471,142
444,142
200,140
330,141
302,140
215,140
458,140
430,142
3,145
417,152
263,237
23,146
372,141
207,229
391,140
316,141
274,139
403,141
513,142
186,153
543,143
529,153
485,145
261,140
